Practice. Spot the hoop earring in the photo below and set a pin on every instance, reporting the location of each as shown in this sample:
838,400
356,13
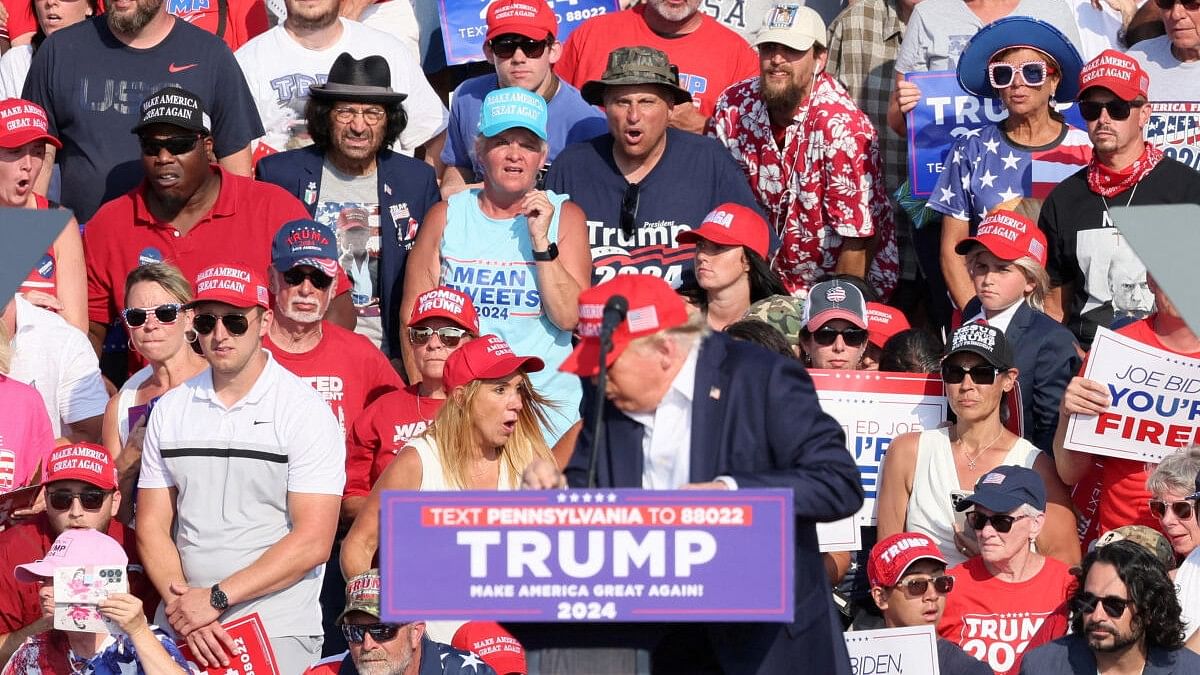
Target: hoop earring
190,335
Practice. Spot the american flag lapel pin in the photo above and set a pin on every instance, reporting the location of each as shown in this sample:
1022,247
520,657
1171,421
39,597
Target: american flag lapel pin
714,393
387,189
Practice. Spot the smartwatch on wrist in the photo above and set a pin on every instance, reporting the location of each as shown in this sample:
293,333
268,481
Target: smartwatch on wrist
550,253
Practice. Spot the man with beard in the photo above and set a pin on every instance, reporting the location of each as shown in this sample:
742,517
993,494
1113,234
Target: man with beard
354,118
641,184
91,79
709,57
282,63
1124,619
812,158
1125,171
186,212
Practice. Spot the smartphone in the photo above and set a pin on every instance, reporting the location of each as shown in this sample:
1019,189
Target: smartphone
960,517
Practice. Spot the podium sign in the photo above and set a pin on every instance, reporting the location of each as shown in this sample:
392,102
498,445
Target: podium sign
587,555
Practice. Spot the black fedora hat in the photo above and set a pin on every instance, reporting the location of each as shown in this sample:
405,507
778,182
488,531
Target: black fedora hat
368,80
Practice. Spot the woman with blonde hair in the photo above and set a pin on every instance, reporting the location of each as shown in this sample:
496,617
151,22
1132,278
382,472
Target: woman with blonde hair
1006,263
488,430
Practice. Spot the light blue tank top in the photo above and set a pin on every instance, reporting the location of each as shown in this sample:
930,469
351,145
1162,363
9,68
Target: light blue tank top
492,261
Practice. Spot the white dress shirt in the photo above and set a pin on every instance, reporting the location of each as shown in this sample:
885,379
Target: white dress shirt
1000,321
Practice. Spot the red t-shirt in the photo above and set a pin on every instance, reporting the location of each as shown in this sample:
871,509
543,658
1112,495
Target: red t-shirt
709,59
124,234
29,542
381,431
21,19
1113,493
345,368
993,620
244,19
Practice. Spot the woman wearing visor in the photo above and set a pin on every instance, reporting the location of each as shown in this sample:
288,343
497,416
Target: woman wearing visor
1027,64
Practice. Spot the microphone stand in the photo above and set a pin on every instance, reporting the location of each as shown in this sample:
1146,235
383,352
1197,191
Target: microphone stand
598,408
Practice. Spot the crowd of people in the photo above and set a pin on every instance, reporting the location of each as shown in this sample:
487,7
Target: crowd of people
304,262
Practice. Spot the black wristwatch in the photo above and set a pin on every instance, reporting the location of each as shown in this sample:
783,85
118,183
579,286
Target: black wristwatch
218,599
549,254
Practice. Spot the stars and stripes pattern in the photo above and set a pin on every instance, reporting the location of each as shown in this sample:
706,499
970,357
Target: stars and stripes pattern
984,170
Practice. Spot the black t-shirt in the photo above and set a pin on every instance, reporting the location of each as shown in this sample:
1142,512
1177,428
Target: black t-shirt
92,86
694,175
1089,253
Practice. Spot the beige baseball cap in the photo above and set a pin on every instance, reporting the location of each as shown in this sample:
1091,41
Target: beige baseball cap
794,25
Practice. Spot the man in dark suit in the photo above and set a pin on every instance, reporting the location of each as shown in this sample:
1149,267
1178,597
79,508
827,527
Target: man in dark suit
691,408
353,119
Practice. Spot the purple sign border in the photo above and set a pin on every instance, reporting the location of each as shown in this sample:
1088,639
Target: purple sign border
776,501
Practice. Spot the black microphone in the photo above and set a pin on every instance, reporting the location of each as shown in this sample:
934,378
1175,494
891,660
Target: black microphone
614,313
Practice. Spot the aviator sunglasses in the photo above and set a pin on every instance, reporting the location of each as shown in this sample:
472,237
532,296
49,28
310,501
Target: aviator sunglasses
296,276
1181,509
379,632
916,587
164,314
449,335
1033,73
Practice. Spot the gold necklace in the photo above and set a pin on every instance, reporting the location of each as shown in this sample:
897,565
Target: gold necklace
971,460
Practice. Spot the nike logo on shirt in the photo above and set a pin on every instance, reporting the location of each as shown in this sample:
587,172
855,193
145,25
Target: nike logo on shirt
179,69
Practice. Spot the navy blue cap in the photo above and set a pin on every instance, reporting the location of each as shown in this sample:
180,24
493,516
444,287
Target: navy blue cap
305,242
1005,488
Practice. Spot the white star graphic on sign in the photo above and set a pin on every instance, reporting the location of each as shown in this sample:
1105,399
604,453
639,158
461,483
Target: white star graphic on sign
1011,161
947,195
587,498
562,497
987,179
574,498
993,146
612,497
1009,194
473,661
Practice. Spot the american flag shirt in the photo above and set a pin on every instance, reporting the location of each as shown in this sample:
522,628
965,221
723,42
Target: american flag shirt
985,170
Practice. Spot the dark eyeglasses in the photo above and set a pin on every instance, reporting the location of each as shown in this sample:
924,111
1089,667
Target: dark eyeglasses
1033,73
917,587
853,337
90,500
954,374
236,324
1189,5
379,632
1001,523
1085,603
1181,509
296,276
505,47
165,314
629,207
449,335
1117,109
175,145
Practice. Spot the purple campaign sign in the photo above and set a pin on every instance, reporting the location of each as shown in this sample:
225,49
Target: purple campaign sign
588,555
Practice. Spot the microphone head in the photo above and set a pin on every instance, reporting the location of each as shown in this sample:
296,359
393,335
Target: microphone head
617,304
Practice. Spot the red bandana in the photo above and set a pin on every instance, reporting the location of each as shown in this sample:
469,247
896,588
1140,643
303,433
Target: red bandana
1108,183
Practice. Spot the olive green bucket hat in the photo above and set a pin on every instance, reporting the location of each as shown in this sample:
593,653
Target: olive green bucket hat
636,65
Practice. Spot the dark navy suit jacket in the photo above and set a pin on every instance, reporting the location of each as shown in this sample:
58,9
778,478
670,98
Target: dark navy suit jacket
1044,351
755,418
407,188
1070,655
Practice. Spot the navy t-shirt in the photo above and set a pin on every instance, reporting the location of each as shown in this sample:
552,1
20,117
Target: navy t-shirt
92,85
694,175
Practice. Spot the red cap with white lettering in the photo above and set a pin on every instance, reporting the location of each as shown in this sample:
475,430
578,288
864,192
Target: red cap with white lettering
233,284
23,121
85,462
883,322
1116,72
446,303
731,225
487,358
891,557
1009,236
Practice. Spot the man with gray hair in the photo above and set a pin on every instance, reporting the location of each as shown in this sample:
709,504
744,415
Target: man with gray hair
691,408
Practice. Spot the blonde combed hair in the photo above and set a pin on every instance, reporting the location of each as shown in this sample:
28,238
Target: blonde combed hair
454,433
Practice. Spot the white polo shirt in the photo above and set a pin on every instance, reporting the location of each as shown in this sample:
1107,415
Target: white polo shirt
234,468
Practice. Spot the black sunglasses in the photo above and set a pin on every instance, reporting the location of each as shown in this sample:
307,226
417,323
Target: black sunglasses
1117,109
916,587
1085,603
90,500
1001,522
853,337
981,374
629,207
236,324
505,47
176,145
165,314
449,335
1189,5
379,632
1182,509
296,276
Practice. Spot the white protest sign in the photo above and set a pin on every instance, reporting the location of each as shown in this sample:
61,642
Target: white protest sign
902,651
1155,406
873,408
840,535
